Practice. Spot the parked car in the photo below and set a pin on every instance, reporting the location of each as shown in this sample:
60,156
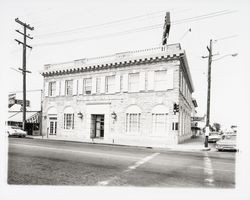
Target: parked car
214,137
15,131
227,142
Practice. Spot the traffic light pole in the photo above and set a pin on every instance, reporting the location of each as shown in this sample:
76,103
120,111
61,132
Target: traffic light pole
24,71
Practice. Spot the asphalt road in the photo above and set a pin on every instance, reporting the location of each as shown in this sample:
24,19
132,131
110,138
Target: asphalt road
50,162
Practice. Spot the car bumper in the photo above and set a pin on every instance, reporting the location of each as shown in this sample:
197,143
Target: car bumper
232,148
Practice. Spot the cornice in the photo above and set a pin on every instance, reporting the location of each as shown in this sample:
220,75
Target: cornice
111,65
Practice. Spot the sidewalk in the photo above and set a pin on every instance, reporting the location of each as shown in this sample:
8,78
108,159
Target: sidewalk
192,144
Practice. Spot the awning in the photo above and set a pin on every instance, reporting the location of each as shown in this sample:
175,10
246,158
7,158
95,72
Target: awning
31,117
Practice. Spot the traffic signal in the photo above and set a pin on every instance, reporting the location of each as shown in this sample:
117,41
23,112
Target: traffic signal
176,108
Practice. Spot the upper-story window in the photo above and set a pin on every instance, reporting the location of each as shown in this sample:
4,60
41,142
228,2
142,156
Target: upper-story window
68,87
98,85
87,86
52,89
133,82
110,84
121,82
160,80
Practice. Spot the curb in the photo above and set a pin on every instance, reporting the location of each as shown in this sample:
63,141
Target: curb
128,146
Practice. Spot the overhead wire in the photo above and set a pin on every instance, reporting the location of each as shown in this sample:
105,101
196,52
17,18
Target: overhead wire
70,31
100,25
145,28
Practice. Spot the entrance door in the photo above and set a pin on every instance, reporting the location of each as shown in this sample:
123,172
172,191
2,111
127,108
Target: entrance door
97,126
52,125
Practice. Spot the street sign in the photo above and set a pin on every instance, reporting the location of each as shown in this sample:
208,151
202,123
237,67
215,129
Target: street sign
20,102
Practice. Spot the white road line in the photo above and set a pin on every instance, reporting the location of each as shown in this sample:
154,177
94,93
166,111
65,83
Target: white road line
208,171
74,151
142,161
132,167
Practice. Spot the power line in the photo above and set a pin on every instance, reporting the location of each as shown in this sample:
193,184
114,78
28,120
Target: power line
145,28
99,25
70,31
226,37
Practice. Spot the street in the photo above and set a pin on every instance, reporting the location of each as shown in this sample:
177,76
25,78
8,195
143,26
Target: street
51,162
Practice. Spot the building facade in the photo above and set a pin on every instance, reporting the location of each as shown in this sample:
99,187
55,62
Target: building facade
140,98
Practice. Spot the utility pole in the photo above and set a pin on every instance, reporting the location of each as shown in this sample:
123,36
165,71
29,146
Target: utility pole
210,55
24,71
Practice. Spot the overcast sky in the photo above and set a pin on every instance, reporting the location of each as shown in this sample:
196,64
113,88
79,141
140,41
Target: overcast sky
68,30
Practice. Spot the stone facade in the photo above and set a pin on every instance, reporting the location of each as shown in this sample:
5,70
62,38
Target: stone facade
139,109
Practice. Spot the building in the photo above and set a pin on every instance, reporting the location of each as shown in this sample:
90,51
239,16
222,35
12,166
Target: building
33,111
141,98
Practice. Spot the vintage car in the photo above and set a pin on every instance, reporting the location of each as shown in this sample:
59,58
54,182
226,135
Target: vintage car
15,131
227,142
214,137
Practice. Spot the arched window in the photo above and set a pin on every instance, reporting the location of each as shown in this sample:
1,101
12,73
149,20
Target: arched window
133,119
159,119
68,118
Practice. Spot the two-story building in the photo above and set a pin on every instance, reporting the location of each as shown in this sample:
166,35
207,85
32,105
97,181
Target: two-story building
138,98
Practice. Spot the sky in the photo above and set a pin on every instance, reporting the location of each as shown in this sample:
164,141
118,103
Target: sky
70,30
66,30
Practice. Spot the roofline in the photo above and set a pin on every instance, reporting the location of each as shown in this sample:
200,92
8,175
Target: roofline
184,57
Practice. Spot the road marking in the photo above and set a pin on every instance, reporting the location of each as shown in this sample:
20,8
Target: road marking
208,171
74,151
142,161
132,167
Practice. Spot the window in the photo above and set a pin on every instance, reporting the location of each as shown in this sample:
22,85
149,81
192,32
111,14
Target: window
69,87
68,121
110,84
175,126
160,80
133,122
52,89
87,86
121,83
98,85
159,123
133,82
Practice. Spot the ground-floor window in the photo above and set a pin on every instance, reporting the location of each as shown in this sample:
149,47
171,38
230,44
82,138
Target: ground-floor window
68,121
133,122
159,123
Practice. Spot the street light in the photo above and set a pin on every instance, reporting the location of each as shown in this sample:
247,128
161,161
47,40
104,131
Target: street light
233,55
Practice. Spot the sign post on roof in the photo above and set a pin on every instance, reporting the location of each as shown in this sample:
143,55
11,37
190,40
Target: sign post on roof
166,28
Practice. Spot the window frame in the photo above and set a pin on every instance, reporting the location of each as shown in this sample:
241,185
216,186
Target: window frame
133,86
68,121
51,90
155,121
87,92
160,84
69,87
110,88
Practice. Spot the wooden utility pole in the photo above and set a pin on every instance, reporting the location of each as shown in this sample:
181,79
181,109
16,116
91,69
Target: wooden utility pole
209,82
210,55
24,71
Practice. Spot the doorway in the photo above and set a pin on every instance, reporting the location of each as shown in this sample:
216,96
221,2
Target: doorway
97,126
52,125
